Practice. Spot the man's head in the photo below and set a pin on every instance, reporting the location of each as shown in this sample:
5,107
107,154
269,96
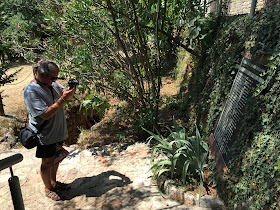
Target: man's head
48,68
47,72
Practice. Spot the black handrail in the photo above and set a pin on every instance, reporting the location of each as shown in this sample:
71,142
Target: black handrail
13,180
10,161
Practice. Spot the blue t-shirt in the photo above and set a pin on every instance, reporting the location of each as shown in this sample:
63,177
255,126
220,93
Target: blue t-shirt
38,98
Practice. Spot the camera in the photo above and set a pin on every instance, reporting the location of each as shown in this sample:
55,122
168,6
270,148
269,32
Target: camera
73,83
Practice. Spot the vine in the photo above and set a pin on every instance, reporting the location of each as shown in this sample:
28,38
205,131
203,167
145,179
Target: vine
252,180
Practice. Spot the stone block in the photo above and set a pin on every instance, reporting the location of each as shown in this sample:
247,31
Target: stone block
7,134
208,201
189,199
179,195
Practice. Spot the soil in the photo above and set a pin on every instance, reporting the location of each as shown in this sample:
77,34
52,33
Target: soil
13,92
100,177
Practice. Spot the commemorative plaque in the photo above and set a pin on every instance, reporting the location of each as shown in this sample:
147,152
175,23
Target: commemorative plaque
229,122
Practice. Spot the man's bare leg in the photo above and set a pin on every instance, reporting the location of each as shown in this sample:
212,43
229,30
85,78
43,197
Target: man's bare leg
46,167
53,173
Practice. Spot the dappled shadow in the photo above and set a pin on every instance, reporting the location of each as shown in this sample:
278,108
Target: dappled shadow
110,189
73,153
129,198
96,186
168,64
166,115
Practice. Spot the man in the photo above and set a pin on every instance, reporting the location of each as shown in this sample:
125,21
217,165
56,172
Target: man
44,98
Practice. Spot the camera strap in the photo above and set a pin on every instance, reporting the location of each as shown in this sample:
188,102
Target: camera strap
51,89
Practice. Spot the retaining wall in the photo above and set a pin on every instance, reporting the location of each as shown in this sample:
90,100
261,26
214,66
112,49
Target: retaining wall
235,7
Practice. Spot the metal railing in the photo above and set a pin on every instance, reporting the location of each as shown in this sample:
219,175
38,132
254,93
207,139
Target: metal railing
13,180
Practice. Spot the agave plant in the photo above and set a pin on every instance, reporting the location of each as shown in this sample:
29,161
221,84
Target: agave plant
183,156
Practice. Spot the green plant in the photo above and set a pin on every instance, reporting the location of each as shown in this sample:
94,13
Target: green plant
183,156
170,102
21,23
94,102
121,47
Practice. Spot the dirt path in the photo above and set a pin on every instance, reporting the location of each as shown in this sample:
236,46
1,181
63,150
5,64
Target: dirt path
101,178
13,92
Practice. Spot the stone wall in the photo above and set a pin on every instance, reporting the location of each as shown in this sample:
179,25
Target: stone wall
235,7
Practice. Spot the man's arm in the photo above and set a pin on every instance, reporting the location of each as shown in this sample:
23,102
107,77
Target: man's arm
54,108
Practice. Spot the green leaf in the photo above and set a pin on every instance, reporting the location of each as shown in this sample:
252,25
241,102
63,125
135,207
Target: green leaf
173,165
200,192
163,171
185,170
161,163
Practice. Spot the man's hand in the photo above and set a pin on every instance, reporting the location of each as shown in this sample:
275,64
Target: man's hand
68,94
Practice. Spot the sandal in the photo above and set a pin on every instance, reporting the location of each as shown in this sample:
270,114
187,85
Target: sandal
53,195
61,186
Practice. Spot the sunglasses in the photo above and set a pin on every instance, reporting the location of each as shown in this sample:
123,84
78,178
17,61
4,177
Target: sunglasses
53,79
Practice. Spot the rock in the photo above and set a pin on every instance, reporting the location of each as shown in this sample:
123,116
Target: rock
208,201
114,204
7,134
179,195
189,199
174,193
10,139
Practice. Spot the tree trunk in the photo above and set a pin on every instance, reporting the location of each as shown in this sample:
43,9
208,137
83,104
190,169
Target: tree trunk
2,113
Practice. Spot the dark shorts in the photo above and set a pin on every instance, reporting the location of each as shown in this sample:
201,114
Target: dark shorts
47,151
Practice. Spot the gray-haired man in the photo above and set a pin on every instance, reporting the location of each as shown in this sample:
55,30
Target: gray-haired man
44,98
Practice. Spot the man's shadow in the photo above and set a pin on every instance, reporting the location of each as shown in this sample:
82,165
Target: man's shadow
96,186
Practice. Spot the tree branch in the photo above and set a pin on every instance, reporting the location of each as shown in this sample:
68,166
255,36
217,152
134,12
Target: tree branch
159,30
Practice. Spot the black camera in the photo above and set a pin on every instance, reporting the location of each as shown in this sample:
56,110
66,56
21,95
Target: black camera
73,83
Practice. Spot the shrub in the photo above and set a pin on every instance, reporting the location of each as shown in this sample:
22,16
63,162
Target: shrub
183,156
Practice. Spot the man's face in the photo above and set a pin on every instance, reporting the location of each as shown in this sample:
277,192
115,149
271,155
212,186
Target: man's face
49,79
